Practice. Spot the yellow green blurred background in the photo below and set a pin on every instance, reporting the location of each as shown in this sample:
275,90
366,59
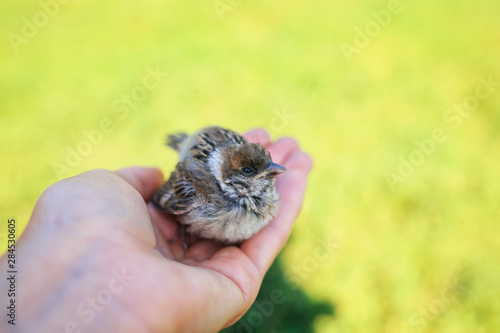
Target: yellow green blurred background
413,231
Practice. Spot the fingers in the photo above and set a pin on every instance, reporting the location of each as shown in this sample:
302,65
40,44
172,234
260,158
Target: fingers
263,248
282,149
258,135
298,161
145,180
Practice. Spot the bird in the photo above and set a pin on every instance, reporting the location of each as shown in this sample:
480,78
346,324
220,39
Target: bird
222,188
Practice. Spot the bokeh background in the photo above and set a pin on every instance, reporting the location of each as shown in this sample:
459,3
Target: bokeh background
392,237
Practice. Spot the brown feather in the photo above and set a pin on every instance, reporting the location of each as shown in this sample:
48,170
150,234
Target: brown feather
210,190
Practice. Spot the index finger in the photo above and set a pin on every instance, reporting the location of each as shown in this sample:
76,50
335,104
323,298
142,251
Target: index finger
258,135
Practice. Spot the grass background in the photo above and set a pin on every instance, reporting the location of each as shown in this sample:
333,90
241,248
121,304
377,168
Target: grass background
396,248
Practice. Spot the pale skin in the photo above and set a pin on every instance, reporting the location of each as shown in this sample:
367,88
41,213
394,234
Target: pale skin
86,230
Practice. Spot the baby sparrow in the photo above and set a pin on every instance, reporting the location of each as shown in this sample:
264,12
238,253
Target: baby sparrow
223,186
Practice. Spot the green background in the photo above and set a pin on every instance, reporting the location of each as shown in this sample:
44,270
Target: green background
419,256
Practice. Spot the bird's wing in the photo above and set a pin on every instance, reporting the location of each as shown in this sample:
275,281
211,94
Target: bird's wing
192,183
177,195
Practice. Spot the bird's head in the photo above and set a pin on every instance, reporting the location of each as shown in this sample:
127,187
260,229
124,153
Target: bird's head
246,170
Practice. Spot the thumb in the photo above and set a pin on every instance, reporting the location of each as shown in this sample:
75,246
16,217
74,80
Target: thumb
145,180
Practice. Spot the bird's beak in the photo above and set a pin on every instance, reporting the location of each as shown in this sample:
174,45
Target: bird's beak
273,170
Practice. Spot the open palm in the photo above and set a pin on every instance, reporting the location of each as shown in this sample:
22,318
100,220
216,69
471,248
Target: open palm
96,255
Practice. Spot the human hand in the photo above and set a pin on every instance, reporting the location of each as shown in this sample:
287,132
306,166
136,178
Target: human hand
96,257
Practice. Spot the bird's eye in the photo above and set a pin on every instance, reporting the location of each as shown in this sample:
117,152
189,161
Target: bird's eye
247,170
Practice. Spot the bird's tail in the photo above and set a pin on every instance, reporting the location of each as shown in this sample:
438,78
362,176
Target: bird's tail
175,141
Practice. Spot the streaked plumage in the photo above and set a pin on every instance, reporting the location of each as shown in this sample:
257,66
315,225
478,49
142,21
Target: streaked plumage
222,188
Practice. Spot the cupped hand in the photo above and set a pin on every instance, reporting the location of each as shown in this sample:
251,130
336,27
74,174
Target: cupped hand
97,256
